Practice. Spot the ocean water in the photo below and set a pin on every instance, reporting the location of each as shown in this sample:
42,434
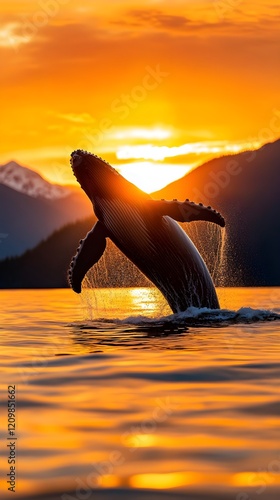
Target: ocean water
118,398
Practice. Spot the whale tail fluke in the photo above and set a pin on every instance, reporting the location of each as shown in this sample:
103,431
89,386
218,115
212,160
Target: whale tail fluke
186,211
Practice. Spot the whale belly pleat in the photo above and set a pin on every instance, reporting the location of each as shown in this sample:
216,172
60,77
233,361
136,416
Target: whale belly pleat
126,226
146,232
162,251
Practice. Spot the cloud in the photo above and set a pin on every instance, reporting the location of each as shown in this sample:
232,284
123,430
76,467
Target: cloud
222,78
10,36
169,23
159,19
151,19
79,70
140,133
43,153
99,52
160,153
82,118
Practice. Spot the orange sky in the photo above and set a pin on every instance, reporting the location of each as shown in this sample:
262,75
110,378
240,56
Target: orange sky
153,87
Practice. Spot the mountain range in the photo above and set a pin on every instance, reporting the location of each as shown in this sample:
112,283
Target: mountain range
31,208
26,181
47,264
243,187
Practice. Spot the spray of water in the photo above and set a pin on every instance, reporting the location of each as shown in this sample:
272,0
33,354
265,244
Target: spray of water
114,270
211,242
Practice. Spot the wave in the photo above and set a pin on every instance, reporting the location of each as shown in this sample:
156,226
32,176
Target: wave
192,317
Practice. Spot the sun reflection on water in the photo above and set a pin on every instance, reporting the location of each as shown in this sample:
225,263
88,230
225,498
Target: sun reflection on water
180,411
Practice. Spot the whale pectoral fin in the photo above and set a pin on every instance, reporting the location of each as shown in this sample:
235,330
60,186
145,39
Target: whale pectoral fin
186,211
90,250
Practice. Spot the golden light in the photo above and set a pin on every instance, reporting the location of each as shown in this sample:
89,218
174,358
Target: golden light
81,118
111,481
163,481
157,133
9,37
141,441
255,479
160,153
150,176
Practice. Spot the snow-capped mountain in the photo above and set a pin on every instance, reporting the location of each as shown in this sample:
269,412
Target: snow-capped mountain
28,182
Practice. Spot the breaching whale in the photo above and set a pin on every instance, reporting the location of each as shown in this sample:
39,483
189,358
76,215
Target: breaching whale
146,231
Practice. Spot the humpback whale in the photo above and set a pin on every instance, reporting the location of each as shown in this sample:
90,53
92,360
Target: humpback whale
146,231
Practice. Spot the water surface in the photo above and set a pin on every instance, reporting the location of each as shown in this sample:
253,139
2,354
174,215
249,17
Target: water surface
113,393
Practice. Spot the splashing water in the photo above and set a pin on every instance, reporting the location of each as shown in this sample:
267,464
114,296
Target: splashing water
101,291
211,242
180,322
114,270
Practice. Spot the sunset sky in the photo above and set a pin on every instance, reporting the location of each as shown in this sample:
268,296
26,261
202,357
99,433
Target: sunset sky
153,87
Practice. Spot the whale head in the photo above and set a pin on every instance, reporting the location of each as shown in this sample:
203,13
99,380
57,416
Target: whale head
99,179
95,176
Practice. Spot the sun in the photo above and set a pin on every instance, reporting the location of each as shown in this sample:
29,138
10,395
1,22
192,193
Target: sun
148,166
150,176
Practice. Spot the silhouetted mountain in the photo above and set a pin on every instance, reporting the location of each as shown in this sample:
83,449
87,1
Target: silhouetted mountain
26,220
47,264
245,188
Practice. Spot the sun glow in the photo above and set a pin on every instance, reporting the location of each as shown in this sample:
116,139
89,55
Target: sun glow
153,172
160,153
162,481
150,176
157,133
10,38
